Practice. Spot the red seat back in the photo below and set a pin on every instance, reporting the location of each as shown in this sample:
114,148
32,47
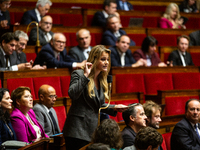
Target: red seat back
167,138
195,58
30,56
61,114
65,81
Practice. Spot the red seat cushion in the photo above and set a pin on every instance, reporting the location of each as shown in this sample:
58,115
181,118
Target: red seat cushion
65,81
186,80
53,81
61,114
127,83
30,56
157,81
167,138
15,83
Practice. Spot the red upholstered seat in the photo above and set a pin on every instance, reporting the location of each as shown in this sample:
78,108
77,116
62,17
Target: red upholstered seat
164,147
167,139
65,81
15,83
89,19
166,55
75,20
30,56
18,16
137,38
72,39
68,38
171,39
53,81
186,80
127,83
56,18
98,37
61,114
157,81
192,23
195,58
0,85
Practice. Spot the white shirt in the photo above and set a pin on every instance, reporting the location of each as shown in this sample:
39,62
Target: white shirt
182,58
117,34
47,36
122,57
38,15
46,108
86,52
105,14
124,4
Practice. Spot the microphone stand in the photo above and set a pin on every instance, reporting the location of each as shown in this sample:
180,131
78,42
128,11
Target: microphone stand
38,41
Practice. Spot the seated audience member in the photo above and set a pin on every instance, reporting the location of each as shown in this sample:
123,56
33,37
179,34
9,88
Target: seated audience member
8,44
135,119
42,8
4,13
185,134
98,146
110,8
110,36
147,139
181,57
124,5
188,6
45,33
44,111
6,130
54,54
121,54
148,53
108,132
171,18
23,119
81,52
195,38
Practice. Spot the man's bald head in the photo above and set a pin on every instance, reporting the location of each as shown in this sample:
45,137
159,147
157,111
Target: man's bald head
46,23
83,38
47,95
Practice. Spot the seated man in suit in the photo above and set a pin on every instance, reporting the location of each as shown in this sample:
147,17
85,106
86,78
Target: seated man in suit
8,44
45,33
195,38
135,119
110,7
45,114
42,8
186,133
4,13
121,54
110,36
81,52
181,57
54,54
124,5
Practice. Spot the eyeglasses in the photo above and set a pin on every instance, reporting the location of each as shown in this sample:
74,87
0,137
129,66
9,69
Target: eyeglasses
46,23
61,42
52,96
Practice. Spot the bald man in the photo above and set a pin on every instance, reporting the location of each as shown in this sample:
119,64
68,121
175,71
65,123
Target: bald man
45,33
81,52
44,111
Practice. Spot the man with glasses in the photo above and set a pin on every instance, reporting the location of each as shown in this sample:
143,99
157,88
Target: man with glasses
44,111
4,13
135,119
45,33
54,54
186,133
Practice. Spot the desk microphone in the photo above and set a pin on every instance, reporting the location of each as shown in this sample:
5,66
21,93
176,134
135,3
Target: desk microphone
109,80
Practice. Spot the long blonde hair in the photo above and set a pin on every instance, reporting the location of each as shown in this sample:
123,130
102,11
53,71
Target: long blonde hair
169,10
95,55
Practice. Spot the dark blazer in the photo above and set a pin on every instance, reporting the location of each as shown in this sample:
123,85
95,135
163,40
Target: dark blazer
5,16
115,58
128,136
184,137
99,19
46,57
175,57
77,53
130,6
82,118
195,38
33,37
109,38
5,133
29,16
18,58
155,60
45,120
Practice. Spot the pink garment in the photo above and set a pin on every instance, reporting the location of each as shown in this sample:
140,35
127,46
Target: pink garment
23,129
165,23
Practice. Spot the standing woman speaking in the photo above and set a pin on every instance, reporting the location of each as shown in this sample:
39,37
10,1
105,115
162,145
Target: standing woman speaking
88,90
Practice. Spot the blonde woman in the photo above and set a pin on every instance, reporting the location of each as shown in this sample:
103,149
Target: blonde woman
171,18
88,90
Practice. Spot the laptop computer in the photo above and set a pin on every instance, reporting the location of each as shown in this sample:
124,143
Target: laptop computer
136,22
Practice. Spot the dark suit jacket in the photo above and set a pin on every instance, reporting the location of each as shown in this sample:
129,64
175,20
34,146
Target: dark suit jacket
29,16
99,19
155,60
45,120
184,136
130,6
33,37
77,53
18,58
109,38
82,118
46,57
4,132
195,38
5,16
115,58
128,136
175,57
